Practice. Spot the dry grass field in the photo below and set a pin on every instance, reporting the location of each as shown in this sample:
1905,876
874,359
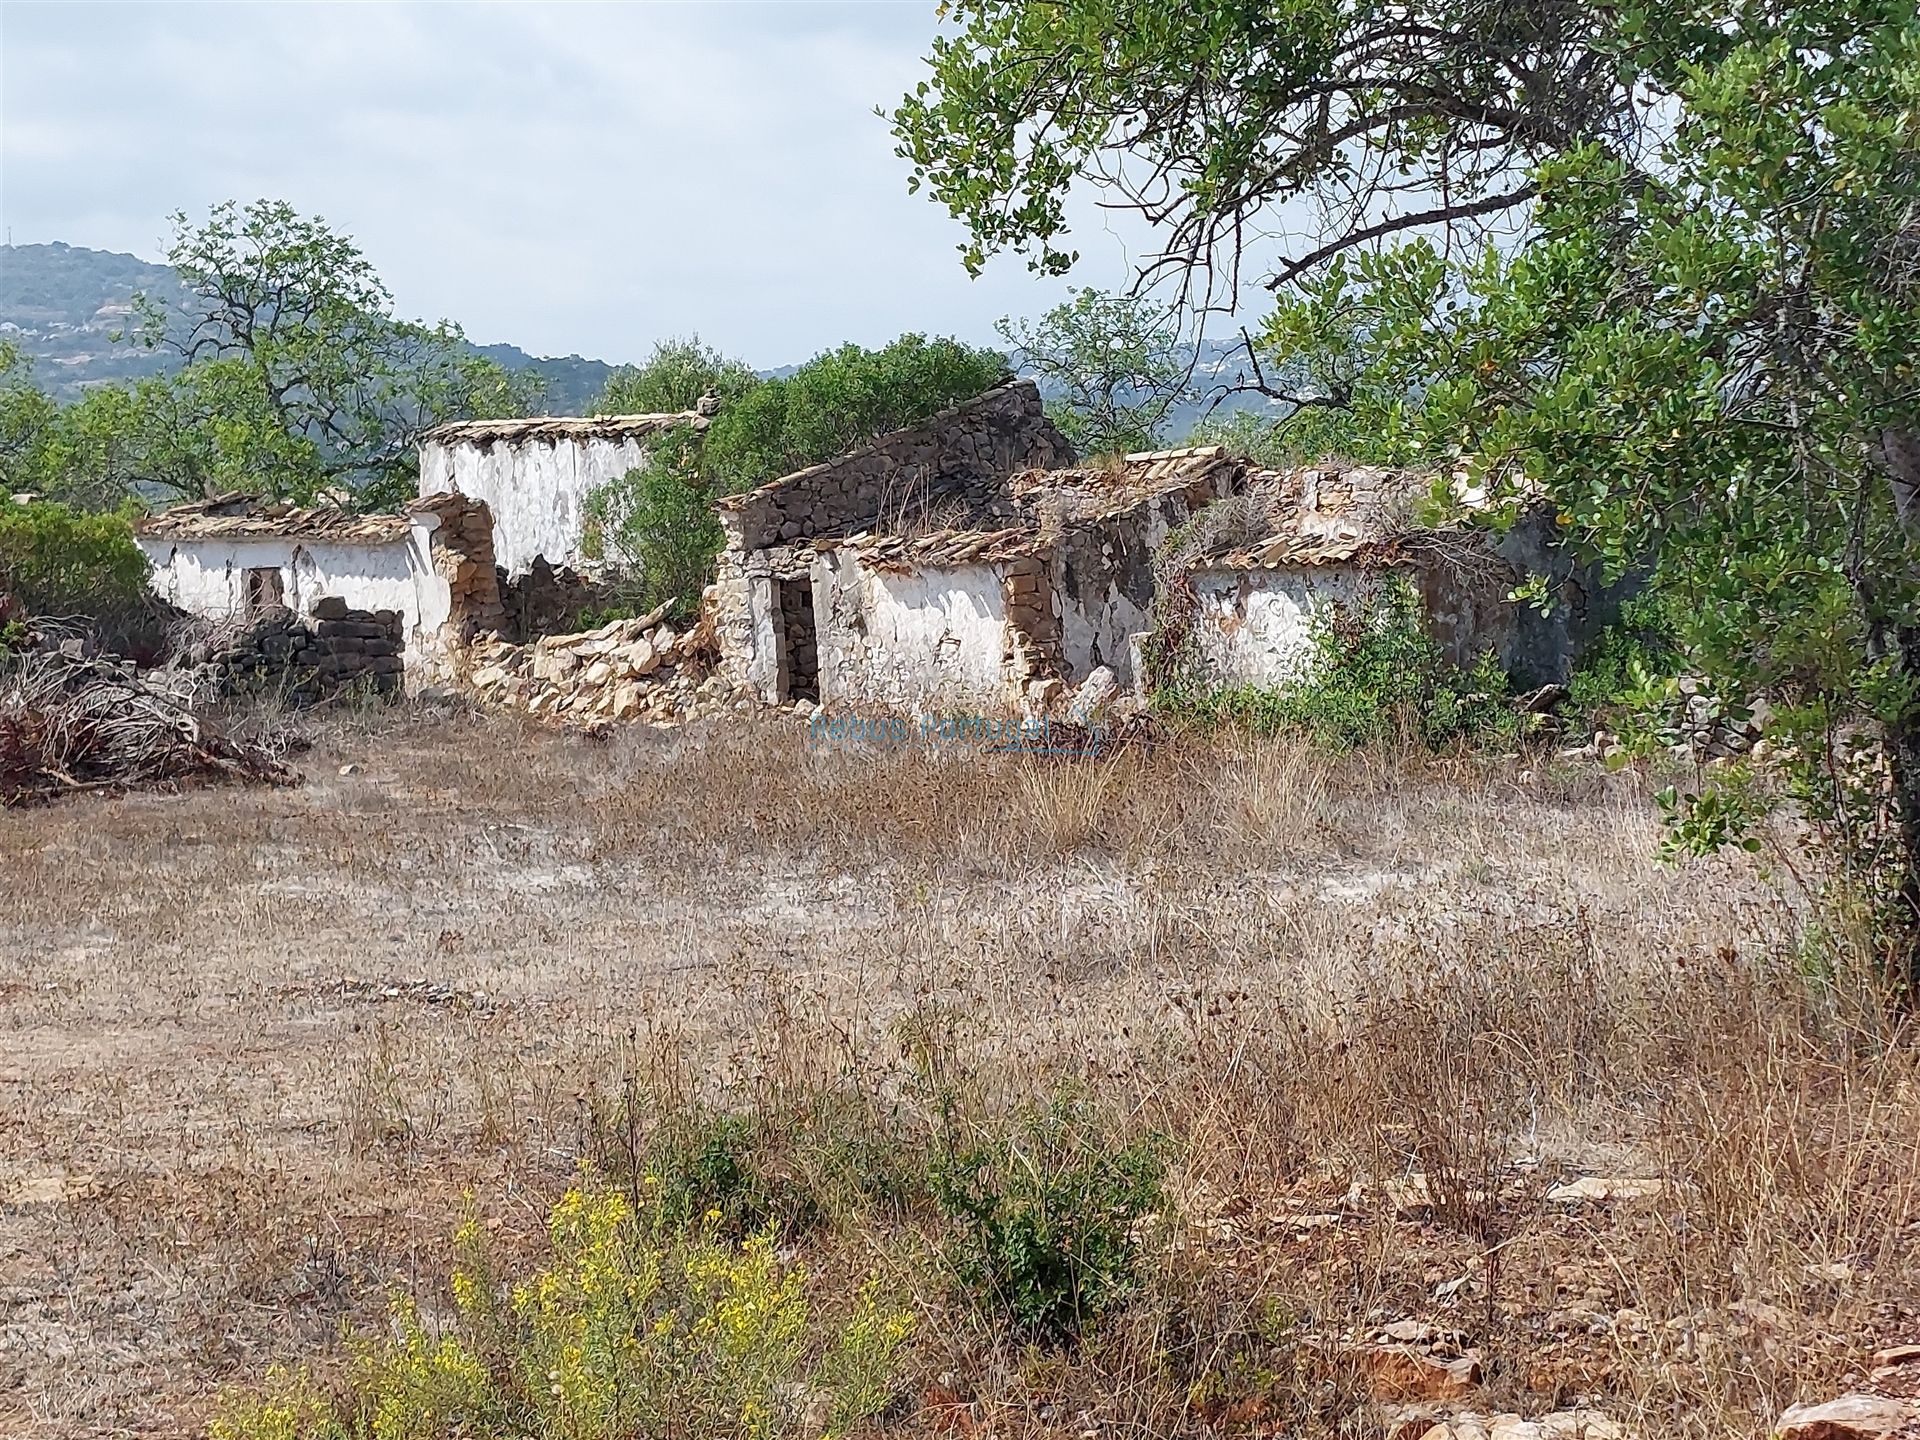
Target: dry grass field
256,1046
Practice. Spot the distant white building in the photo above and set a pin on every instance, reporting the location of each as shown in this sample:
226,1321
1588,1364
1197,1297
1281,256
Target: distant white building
536,475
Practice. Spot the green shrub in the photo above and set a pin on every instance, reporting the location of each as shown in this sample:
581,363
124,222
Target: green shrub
1043,1220
1373,674
634,1326
701,1164
657,528
1629,665
57,561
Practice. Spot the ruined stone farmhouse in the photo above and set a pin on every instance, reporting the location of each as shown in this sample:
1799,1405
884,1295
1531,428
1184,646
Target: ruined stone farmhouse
971,563
428,572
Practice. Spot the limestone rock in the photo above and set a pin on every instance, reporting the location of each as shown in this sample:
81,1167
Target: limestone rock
1095,691
1599,1190
1851,1417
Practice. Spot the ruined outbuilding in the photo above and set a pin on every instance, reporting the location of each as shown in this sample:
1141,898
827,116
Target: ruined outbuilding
535,475
237,556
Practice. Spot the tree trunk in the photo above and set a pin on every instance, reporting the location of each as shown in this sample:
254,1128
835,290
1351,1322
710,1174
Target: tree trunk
1897,449
1902,740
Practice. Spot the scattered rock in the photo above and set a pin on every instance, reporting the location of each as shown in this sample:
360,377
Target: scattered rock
1851,1417
1600,1190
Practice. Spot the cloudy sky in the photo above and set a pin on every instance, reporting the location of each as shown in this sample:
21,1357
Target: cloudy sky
570,178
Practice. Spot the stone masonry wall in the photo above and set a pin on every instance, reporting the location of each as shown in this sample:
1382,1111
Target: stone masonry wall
310,658
982,440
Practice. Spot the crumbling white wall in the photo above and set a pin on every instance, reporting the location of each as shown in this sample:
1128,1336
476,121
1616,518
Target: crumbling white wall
1254,627
536,488
929,642
208,576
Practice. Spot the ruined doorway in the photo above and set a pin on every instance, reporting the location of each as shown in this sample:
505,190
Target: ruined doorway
799,640
266,588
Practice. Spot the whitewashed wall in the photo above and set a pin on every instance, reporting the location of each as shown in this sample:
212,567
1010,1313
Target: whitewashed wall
537,489
1254,626
208,576
927,643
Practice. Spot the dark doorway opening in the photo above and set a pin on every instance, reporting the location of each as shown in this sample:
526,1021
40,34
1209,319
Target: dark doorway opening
799,641
265,589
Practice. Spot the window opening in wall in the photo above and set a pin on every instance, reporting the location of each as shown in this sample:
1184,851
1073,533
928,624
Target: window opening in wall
265,589
799,643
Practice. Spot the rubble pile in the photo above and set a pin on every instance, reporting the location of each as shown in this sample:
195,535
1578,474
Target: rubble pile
336,648
626,670
70,724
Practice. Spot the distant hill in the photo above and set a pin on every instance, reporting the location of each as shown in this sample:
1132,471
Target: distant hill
63,304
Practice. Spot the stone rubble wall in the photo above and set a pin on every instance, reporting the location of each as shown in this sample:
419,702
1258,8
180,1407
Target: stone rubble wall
626,670
544,600
981,440
310,658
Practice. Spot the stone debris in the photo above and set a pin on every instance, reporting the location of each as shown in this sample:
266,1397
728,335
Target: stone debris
425,992
625,671
1852,1417
1560,1425
1603,1189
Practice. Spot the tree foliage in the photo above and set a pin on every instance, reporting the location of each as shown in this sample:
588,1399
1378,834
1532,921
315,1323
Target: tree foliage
1202,114
655,526
1111,364
837,401
674,379
294,365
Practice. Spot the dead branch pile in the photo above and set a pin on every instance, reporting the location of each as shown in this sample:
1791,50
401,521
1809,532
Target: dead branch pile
68,725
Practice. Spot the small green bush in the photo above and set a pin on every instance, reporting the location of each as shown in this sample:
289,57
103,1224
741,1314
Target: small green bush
1630,666
1374,675
1043,1220
700,1164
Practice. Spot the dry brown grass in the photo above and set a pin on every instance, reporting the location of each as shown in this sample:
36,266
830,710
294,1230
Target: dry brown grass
247,1077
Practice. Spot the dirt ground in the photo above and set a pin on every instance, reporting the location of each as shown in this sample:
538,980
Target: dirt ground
256,1045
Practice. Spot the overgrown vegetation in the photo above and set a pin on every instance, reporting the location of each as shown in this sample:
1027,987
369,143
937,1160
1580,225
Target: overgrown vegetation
657,524
57,561
1373,675
837,401
656,529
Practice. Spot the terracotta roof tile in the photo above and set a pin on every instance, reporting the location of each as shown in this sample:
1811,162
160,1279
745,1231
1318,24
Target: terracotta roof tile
239,516
555,427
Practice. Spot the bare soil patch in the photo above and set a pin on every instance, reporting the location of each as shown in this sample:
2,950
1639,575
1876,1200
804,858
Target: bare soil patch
256,1045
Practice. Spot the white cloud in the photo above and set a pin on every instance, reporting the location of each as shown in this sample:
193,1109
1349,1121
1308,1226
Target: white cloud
570,178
